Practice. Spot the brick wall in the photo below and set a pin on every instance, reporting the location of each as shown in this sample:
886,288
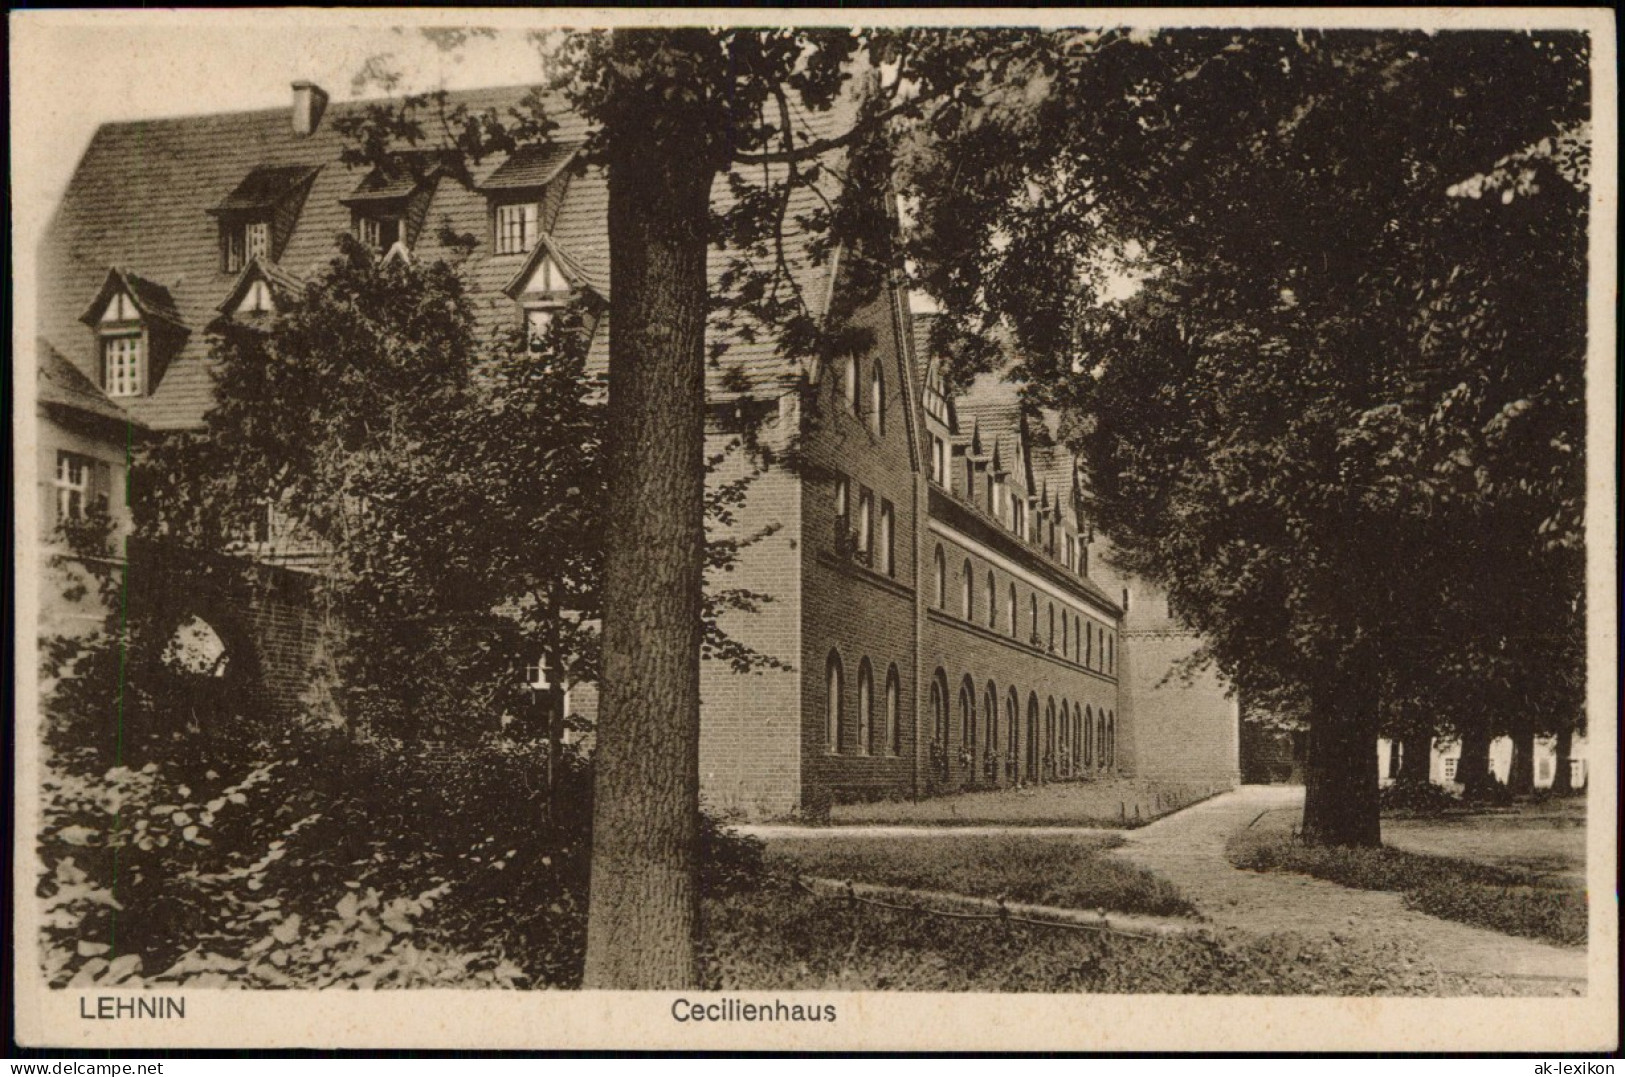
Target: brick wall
749,756
1182,728
860,609
1062,680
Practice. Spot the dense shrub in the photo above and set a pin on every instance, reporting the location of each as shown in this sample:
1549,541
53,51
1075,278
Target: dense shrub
1418,799
1512,902
319,859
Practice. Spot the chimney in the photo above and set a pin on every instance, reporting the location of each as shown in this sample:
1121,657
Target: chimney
309,100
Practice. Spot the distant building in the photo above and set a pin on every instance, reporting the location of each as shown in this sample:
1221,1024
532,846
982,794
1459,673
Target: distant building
943,606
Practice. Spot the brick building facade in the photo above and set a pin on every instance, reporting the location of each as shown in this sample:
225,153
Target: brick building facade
944,612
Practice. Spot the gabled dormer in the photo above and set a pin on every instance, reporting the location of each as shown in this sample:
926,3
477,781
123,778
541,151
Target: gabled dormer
138,330
259,214
259,291
547,282
524,194
389,205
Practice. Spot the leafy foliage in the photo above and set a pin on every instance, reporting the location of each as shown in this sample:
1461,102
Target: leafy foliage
1316,304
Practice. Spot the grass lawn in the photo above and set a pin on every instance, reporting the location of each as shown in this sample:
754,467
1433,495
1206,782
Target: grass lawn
1110,802
1512,901
1068,872
1544,837
780,939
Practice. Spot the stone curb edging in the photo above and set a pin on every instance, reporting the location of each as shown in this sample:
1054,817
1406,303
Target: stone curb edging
1125,923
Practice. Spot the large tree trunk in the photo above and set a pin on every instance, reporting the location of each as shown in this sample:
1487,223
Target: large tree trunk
1521,774
1340,800
643,912
1473,768
1416,758
1563,780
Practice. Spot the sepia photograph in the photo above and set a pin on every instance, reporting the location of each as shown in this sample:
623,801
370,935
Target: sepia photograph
849,530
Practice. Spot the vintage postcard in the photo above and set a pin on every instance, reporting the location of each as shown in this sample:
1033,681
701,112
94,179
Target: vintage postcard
817,530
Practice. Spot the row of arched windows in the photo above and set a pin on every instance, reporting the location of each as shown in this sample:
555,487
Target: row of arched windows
1079,639
868,728
1056,741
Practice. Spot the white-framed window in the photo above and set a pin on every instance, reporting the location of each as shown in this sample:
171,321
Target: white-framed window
516,226
72,485
866,514
539,674
1450,769
846,382
122,373
888,563
241,241
866,707
877,398
379,233
843,501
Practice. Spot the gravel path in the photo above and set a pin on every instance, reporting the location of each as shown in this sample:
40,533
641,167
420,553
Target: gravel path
1187,849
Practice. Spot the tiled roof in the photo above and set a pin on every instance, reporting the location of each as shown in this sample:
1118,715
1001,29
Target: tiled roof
65,385
530,167
142,195
264,187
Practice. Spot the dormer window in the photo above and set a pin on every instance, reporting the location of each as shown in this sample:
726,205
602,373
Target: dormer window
517,227
525,192
242,241
123,372
378,233
389,205
258,215
137,328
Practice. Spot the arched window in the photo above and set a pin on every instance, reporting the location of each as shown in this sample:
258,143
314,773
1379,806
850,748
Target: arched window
1111,740
941,567
1012,734
1064,737
1089,651
1066,646
832,702
894,732
967,592
1049,738
990,727
877,398
848,367
1013,609
1032,737
1111,659
992,601
866,706
1034,604
1077,638
1101,750
1077,738
967,715
1052,626
939,708
1088,736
